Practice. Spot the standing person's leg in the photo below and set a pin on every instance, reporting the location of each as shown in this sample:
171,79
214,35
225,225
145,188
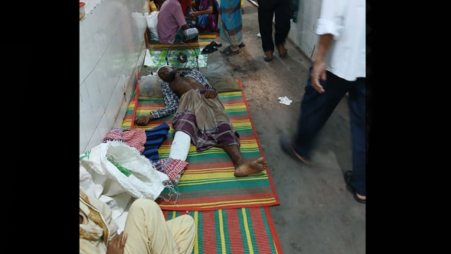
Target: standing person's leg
356,179
315,110
148,231
230,31
265,17
282,25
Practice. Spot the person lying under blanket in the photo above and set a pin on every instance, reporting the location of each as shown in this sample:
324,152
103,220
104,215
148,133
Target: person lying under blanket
200,118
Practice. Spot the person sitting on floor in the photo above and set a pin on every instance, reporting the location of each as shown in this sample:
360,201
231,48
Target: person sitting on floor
206,14
146,230
200,118
172,27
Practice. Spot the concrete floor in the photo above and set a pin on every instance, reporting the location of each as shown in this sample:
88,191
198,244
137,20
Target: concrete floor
317,215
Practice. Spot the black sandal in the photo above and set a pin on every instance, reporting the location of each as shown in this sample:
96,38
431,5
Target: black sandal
216,44
209,49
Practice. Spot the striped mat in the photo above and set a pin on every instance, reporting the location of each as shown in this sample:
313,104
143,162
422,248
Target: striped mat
203,40
231,231
208,182
161,57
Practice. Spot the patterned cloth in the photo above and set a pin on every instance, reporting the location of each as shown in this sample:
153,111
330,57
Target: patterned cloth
208,22
205,121
158,58
171,167
231,22
171,100
154,139
134,138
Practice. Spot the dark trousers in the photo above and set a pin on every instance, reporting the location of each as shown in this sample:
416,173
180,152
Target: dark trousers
266,11
316,109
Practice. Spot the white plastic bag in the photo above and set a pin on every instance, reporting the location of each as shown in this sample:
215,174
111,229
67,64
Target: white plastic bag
152,21
104,163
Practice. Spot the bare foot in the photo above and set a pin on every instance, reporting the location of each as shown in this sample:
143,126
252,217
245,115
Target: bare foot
246,168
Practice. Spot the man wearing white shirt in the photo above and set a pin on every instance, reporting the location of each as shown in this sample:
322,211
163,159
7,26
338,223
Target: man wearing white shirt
339,68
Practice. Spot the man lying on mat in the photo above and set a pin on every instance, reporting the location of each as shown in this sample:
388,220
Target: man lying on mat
200,118
172,27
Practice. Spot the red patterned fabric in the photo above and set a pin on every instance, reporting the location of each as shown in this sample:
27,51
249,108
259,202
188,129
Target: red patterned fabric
134,138
172,167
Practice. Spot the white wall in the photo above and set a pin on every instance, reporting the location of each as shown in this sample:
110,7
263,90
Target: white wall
302,33
111,53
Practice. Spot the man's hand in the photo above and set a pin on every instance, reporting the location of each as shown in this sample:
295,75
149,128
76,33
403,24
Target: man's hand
211,94
144,120
318,72
117,244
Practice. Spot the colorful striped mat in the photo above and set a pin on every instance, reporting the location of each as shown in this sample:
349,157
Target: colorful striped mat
243,231
203,40
161,57
208,182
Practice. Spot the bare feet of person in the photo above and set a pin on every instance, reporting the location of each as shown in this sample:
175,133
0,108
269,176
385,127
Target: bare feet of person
143,120
246,168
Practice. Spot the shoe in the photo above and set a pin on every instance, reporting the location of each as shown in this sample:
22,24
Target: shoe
347,175
287,147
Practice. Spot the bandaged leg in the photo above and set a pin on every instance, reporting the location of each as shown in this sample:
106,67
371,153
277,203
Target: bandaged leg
180,149
180,146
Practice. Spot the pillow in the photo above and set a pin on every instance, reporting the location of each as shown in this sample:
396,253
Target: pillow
150,86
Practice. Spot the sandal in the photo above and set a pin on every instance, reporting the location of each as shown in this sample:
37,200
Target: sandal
209,49
228,51
216,44
282,51
347,175
287,147
268,56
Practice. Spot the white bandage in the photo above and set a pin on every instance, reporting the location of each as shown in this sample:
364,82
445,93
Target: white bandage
180,146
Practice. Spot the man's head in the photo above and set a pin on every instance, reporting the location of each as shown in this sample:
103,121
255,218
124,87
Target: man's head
166,73
158,3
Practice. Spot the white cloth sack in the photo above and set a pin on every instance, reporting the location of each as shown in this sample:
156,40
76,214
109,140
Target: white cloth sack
152,21
100,178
